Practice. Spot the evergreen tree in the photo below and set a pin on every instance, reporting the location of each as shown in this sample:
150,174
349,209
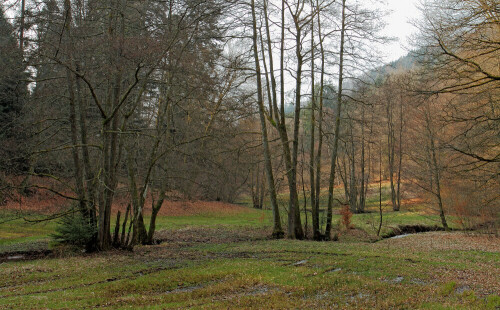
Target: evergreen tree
12,94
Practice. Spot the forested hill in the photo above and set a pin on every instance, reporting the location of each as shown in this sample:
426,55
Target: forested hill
403,63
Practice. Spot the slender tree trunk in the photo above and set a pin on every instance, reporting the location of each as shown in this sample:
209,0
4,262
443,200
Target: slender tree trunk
277,230
362,191
314,211
353,191
400,153
370,158
21,26
117,229
257,188
72,111
139,232
124,226
295,228
110,126
391,152
90,182
380,190
274,96
252,187
331,180
306,227
266,73
316,229
282,130
262,191
343,176
435,169
282,124
154,214
279,118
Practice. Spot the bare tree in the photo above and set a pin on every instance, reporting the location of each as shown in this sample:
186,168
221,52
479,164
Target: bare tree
277,230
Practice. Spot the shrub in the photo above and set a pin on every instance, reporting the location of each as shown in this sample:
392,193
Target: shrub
74,230
346,217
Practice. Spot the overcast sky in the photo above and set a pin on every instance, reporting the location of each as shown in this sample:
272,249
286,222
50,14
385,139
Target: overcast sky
398,25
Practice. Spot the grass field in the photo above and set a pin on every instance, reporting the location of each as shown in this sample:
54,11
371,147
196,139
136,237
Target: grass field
225,260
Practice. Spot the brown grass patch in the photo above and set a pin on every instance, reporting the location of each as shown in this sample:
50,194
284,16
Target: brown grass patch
218,234
46,202
186,208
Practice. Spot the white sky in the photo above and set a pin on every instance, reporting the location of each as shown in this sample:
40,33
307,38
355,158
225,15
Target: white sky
398,25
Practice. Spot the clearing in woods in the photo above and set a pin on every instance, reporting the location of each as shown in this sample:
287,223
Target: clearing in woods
216,255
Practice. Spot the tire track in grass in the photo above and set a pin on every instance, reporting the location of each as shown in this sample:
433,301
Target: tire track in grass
134,275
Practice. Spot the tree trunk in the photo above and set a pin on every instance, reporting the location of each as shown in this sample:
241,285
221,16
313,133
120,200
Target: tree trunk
391,152
400,153
139,234
295,226
277,230
154,214
314,211
316,229
353,191
380,190
435,170
117,230
124,226
362,191
331,180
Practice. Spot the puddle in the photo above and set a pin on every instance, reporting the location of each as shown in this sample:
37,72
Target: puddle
418,282
186,289
400,236
406,230
397,279
27,255
302,262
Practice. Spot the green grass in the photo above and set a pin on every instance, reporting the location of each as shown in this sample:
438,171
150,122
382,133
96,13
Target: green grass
18,234
368,221
253,218
258,274
18,231
21,234
226,272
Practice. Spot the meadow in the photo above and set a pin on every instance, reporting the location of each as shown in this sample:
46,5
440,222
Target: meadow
223,259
